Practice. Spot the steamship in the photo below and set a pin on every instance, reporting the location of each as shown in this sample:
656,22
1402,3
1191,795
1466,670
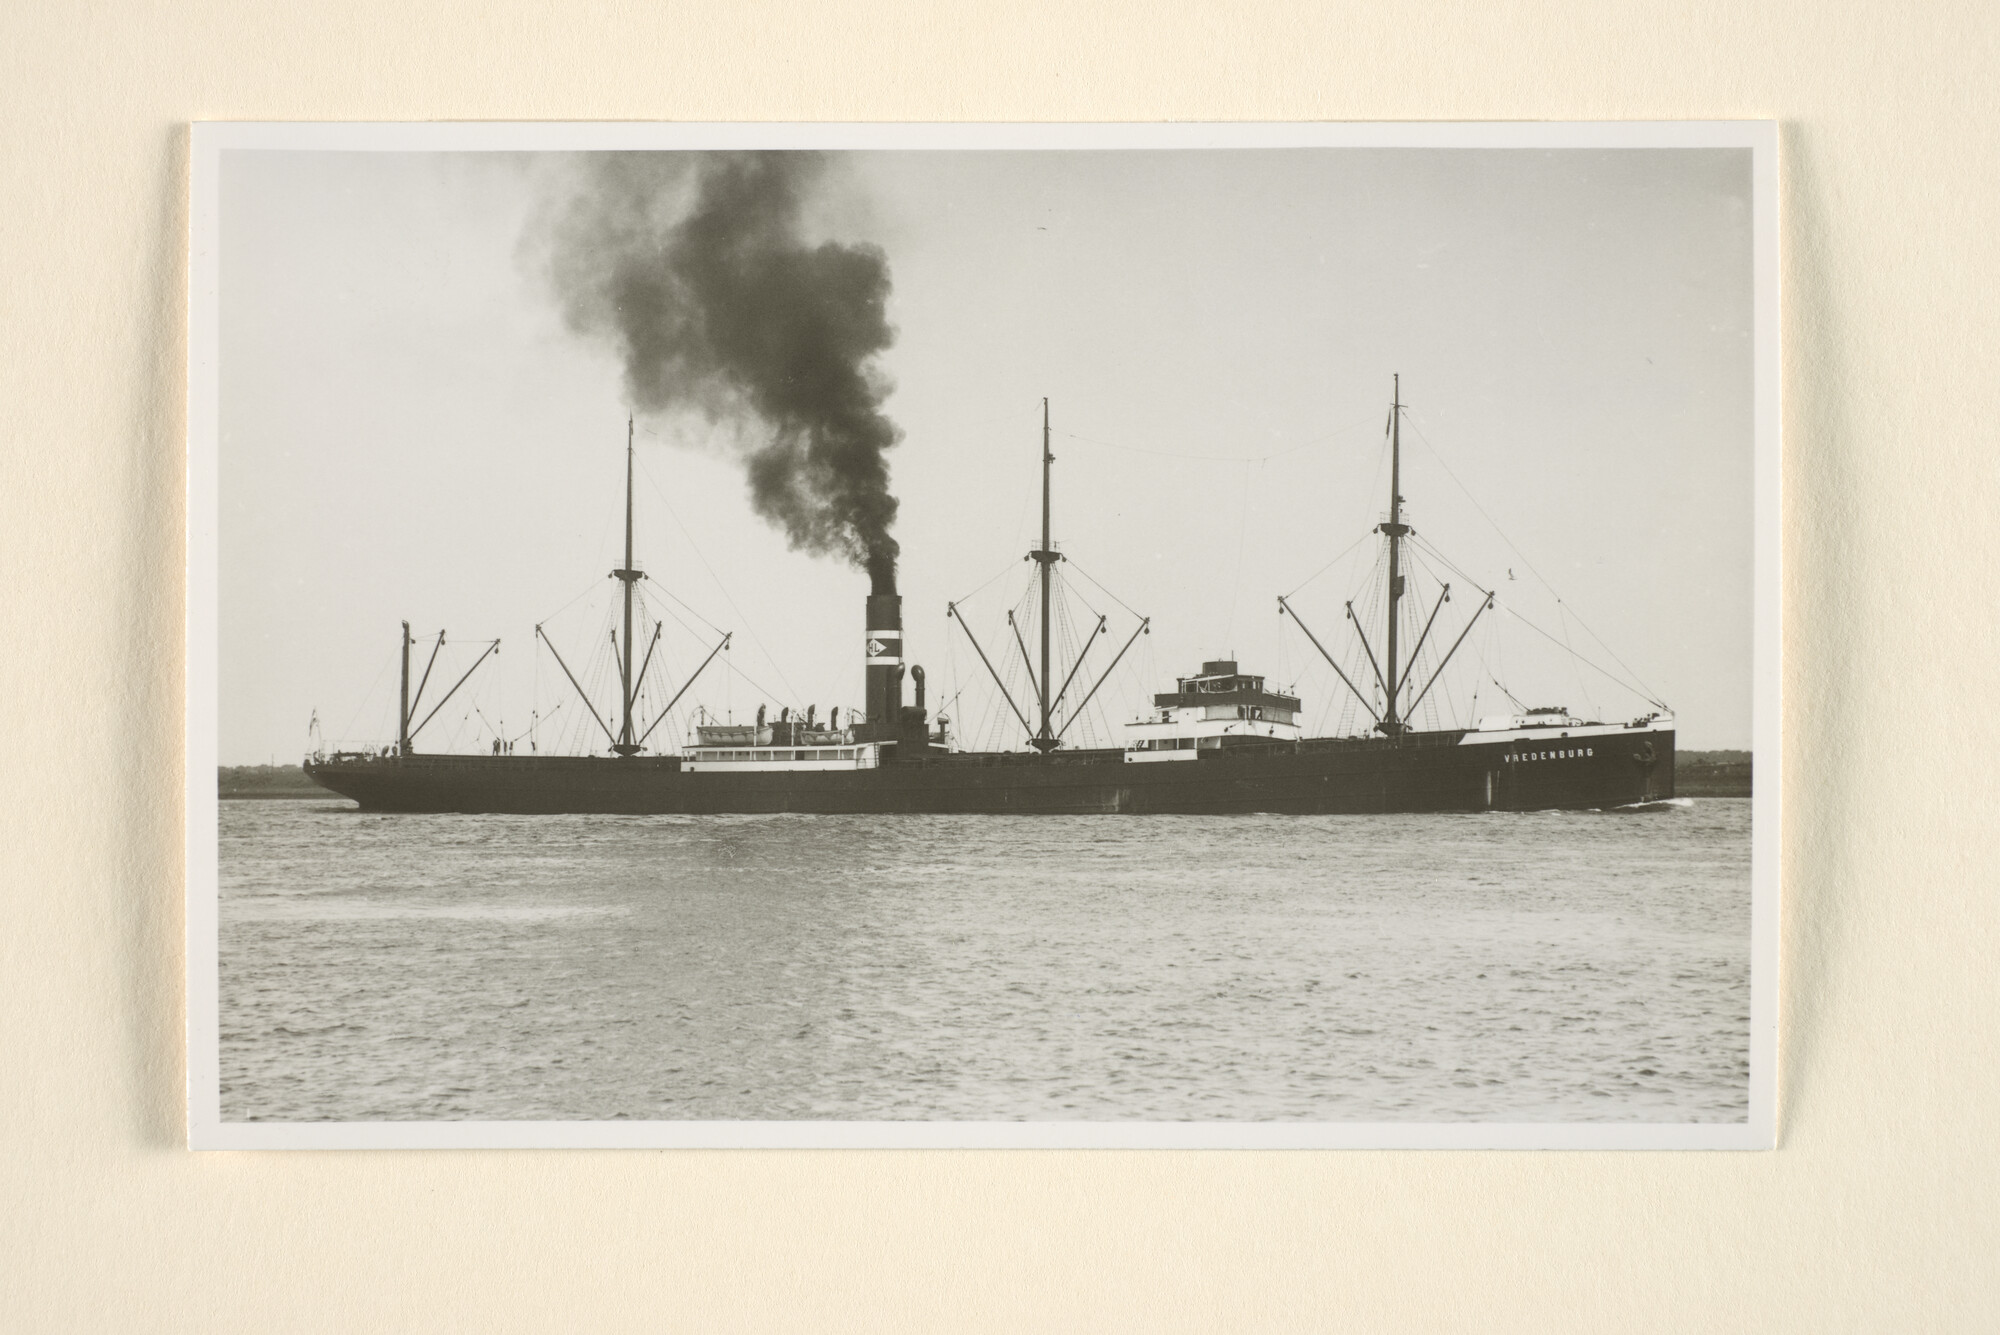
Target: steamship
1222,741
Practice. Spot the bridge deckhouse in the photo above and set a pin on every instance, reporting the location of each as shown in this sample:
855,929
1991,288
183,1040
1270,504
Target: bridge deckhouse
1215,708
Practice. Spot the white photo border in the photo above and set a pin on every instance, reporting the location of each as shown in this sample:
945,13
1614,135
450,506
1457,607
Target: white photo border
208,1131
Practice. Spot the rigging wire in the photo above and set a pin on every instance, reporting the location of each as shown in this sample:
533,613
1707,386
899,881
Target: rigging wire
770,696
499,732
1222,458
995,722
1563,621
684,625
1412,607
1645,691
1359,663
369,694
1071,561
1065,589
593,587
1483,643
1242,540
1000,574
1075,644
596,675
1100,705
671,595
1062,646
1344,554
1499,648
1018,674
1579,657
749,628
951,674
1208,458
1413,613
1432,549
1635,687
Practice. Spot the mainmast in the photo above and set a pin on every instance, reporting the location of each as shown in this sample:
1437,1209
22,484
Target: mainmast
1395,530
1045,740
403,714
627,576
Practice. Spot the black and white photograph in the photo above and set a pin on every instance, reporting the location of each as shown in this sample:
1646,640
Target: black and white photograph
1237,636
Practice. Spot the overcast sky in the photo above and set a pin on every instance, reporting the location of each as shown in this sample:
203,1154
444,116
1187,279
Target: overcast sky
410,431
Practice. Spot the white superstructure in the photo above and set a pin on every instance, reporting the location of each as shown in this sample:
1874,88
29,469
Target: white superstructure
1217,707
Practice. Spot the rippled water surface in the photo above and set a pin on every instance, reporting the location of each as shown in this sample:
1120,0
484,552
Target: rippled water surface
1509,967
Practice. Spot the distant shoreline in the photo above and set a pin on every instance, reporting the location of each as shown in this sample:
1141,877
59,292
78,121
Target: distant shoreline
1696,774
1712,774
239,782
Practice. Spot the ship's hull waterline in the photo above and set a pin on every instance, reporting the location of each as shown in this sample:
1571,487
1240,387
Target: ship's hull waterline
1421,772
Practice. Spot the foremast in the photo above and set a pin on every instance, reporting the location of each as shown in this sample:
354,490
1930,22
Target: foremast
627,576
1045,740
1395,530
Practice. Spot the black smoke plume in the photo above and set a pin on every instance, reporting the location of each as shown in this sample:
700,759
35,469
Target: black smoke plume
697,269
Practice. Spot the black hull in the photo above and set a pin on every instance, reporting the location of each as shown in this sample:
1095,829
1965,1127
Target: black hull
1423,772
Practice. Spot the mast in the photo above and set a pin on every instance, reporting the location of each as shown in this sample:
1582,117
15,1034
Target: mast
1395,529
403,714
1044,740
627,576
